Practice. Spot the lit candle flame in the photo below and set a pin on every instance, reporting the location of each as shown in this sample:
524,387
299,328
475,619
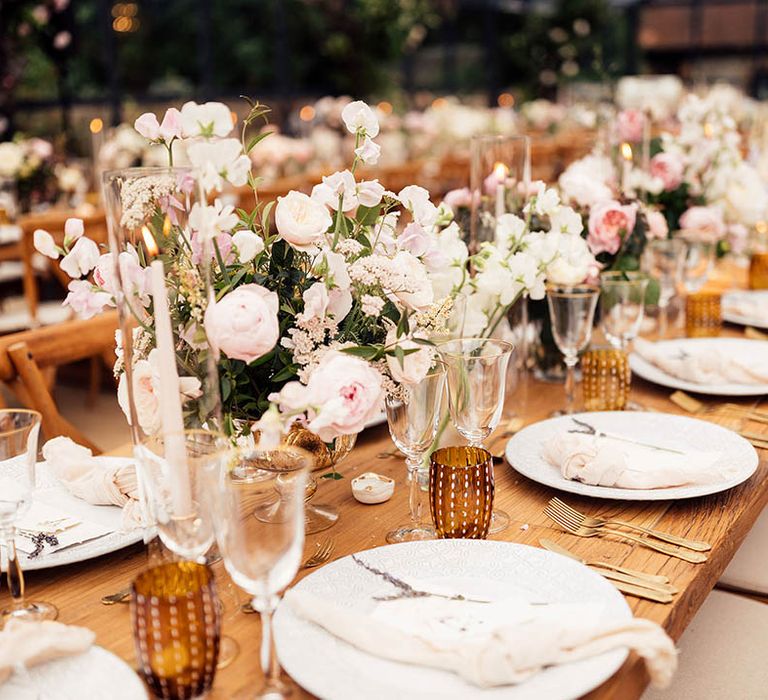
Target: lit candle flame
500,172
166,226
307,113
709,130
149,241
96,125
626,151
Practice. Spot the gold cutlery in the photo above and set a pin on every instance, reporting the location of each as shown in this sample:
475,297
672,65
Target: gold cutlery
755,334
757,439
582,531
120,597
609,572
580,518
512,426
647,593
696,407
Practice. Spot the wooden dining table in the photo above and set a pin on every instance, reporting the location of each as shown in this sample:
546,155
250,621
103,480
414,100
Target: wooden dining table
723,520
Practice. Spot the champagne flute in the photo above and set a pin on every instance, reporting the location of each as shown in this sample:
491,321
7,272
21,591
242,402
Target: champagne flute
664,260
622,305
476,376
263,555
413,416
572,311
19,431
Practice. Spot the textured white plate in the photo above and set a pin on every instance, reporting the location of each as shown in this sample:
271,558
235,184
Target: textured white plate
95,674
50,491
335,670
761,296
743,348
524,451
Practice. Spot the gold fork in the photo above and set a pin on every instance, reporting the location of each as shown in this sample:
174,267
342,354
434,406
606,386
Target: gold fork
575,528
696,407
591,521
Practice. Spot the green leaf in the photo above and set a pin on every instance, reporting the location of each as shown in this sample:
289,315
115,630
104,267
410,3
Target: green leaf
366,216
255,140
402,325
652,292
332,475
367,352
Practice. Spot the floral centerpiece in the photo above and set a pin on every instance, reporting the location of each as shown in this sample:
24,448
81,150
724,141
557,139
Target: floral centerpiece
27,166
314,318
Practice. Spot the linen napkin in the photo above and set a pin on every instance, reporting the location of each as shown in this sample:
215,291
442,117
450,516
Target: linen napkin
87,477
611,461
746,307
703,365
491,644
28,643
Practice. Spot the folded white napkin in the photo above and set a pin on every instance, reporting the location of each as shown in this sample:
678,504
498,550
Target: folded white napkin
703,365
26,643
491,644
746,307
96,482
607,461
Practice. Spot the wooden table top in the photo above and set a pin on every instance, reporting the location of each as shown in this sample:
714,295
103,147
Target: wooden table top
722,519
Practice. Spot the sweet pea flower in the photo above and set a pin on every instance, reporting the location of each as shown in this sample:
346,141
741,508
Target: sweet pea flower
319,301
359,117
338,185
369,193
73,229
369,152
45,245
609,223
301,220
85,300
248,245
414,239
415,365
669,168
81,259
148,126
243,324
461,198
416,292
170,128
220,160
417,201
206,120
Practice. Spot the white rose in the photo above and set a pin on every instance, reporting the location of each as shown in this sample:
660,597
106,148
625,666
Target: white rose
81,259
415,365
45,244
301,221
358,116
248,245
369,152
209,119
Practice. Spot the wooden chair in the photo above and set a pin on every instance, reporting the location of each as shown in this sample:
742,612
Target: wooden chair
25,356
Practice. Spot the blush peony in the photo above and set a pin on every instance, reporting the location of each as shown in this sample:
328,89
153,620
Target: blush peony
668,168
609,223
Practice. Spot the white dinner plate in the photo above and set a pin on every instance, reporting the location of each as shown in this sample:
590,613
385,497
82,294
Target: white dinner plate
743,348
758,295
52,492
335,670
524,451
97,673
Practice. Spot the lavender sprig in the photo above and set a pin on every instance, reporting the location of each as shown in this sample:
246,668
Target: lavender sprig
587,429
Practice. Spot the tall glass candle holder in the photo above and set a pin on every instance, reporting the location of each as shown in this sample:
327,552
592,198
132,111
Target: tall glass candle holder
499,180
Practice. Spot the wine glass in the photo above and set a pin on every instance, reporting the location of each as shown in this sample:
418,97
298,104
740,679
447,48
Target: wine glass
19,431
178,472
413,416
698,263
664,260
476,372
622,304
572,311
263,555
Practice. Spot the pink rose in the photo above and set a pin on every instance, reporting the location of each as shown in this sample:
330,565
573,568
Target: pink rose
244,324
148,126
657,224
668,168
84,300
342,395
171,126
609,223
630,124
706,222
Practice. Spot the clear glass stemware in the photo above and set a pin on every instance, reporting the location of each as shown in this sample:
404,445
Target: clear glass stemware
572,312
262,556
699,261
476,372
413,417
19,432
622,305
664,261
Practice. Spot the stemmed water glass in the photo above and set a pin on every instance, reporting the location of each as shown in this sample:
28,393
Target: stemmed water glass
664,260
572,311
622,304
413,416
699,260
476,370
19,431
262,556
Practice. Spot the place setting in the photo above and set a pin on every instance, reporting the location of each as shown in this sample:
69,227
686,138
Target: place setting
419,392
